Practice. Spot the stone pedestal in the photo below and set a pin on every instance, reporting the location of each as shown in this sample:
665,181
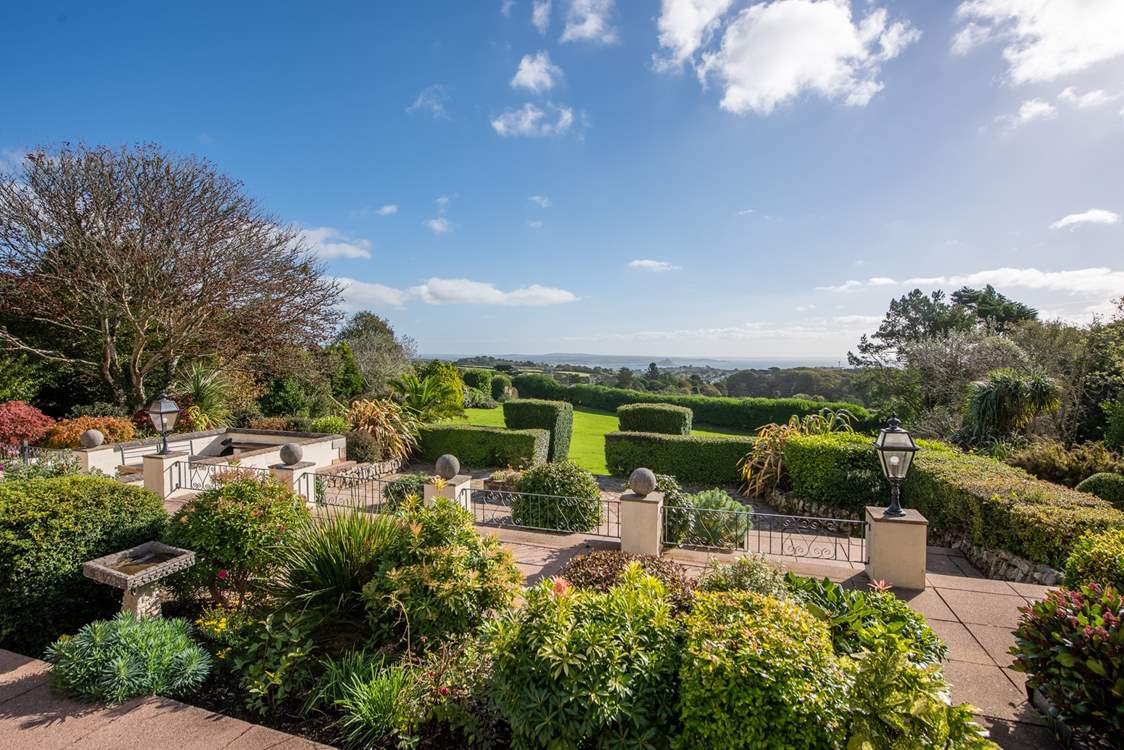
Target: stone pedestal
640,523
292,476
160,472
455,489
895,548
142,601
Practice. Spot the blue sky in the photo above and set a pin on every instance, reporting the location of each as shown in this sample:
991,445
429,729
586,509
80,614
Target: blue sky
691,177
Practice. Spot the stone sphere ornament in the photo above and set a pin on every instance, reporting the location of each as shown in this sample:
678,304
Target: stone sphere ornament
642,482
91,439
291,453
448,466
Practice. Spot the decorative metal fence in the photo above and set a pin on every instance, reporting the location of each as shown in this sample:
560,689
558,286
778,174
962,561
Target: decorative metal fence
29,460
594,516
362,489
29,454
190,475
764,533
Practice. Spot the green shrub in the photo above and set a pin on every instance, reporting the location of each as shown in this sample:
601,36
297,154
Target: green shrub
716,520
110,661
1106,486
1071,647
481,380
474,398
557,417
1097,557
379,707
749,573
758,673
484,447
1052,461
840,469
235,529
600,570
689,458
501,384
362,448
743,413
859,619
396,491
273,660
447,373
1114,425
666,419
576,505
332,425
582,668
440,579
48,528
676,512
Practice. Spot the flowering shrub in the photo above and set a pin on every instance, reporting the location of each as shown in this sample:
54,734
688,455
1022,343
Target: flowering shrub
1071,647
233,529
20,421
66,433
600,570
1097,558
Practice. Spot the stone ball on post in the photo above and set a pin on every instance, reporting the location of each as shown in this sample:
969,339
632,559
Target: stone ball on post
291,453
642,481
91,439
448,466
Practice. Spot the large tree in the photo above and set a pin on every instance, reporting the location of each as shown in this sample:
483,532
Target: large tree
380,355
125,263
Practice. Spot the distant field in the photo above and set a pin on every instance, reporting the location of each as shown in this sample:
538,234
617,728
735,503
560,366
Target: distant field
587,447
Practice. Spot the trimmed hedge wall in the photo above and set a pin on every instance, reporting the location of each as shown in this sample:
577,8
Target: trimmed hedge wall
997,506
557,417
689,458
743,413
484,447
667,419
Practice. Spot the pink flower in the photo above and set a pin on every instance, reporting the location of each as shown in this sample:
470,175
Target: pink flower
561,585
223,574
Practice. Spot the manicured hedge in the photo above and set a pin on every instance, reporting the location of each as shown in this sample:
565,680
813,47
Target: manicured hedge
557,417
997,506
667,419
1106,486
689,458
484,447
48,528
479,379
500,384
743,413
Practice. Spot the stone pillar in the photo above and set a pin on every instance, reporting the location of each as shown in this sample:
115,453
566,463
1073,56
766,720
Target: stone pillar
641,532
895,548
452,490
160,472
292,476
143,601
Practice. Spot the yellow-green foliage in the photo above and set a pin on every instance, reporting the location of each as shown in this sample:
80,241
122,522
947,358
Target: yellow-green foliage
1097,558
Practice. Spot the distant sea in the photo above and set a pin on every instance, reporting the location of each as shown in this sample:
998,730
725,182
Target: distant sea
639,362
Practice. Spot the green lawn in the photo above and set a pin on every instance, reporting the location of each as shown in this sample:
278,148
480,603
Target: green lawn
587,447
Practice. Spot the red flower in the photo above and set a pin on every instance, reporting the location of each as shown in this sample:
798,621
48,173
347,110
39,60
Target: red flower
223,574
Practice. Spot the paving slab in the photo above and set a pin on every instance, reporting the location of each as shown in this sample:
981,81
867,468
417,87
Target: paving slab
990,691
983,609
996,641
19,674
928,602
962,645
969,583
1014,735
166,723
40,720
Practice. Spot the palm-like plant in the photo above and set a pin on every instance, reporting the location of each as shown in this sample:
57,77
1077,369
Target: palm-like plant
429,399
205,390
393,427
762,469
1008,401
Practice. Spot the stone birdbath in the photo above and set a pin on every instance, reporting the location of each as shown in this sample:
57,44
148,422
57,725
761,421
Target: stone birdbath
138,571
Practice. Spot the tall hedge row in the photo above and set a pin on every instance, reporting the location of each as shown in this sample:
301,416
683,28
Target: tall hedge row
742,413
48,528
997,506
667,419
689,458
557,417
484,447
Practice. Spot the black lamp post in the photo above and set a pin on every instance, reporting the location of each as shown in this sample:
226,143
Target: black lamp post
895,451
163,413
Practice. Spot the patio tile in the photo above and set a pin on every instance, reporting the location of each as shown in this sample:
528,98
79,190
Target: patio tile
995,641
960,582
1031,591
961,645
928,603
983,609
168,723
1016,735
989,690
40,720
19,674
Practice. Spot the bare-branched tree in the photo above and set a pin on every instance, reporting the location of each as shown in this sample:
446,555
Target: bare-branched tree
127,262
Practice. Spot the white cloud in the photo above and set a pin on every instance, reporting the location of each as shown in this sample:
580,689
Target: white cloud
432,99
361,294
686,25
536,73
1092,216
1029,111
11,159
531,121
658,266
542,201
505,7
540,15
1082,281
439,291
387,210
1044,39
442,203
438,225
534,224
880,281
846,286
746,212
1094,98
588,20
770,53
328,243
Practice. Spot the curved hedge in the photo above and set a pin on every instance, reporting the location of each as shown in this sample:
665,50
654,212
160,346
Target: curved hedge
667,419
483,447
1106,486
48,528
743,413
688,458
557,417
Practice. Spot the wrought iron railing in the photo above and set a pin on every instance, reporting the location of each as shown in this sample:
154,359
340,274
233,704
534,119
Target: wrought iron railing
192,475
28,454
764,533
361,488
29,461
595,516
